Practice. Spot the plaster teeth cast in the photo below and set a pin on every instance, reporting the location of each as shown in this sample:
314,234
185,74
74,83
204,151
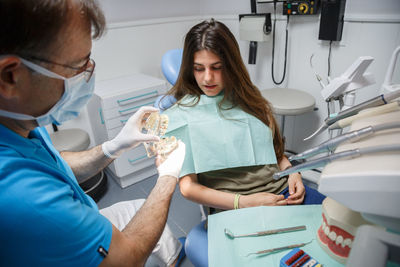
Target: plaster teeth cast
157,124
339,225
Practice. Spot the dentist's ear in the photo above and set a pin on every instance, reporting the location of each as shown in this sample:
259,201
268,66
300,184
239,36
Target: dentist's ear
10,71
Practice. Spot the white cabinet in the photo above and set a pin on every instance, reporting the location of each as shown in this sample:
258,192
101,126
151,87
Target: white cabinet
114,101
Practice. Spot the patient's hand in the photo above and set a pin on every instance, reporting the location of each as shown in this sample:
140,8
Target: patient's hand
296,189
262,199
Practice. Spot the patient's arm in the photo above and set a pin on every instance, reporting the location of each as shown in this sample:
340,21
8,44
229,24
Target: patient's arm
192,190
296,187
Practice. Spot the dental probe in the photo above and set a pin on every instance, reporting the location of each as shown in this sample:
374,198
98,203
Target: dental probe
348,154
268,232
353,136
272,250
373,102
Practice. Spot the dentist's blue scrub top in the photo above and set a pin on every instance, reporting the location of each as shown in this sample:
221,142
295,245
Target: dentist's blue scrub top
45,217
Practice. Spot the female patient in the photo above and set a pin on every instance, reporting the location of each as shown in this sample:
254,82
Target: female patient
212,70
233,145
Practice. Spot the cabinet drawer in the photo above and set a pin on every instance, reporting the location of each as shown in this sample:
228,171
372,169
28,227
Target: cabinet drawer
131,161
130,97
113,132
128,109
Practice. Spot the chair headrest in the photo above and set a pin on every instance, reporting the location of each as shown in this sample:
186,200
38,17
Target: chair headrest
170,64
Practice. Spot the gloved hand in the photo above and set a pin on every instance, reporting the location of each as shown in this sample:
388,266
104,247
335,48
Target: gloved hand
130,135
173,164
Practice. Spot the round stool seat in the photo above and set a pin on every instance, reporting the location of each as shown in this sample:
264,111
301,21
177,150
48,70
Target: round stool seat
70,140
285,101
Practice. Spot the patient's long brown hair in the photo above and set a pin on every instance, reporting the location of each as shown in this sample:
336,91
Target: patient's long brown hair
215,37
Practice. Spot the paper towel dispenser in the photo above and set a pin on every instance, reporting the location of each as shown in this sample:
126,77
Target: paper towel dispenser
255,27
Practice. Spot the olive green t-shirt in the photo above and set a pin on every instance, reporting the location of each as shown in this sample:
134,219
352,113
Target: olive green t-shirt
244,180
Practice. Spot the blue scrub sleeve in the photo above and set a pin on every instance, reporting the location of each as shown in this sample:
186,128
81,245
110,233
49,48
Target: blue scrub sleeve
43,223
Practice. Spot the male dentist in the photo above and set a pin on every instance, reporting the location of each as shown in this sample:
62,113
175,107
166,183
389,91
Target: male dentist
47,76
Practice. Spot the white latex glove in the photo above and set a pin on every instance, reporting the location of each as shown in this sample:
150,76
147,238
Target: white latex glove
130,135
173,164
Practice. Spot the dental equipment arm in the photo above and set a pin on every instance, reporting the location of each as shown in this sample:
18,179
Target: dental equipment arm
353,78
388,85
353,153
373,102
353,136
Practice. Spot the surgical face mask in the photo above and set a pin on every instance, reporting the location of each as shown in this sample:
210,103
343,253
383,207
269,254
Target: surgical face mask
77,92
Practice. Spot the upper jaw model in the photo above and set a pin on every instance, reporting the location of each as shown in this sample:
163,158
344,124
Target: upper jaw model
339,225
157,124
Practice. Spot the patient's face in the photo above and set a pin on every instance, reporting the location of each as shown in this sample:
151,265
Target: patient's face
207,70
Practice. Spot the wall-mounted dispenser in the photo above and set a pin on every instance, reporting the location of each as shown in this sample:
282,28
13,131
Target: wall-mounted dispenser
254,28
331,22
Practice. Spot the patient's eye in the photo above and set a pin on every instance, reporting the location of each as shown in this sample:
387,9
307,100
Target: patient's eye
217,67
198,68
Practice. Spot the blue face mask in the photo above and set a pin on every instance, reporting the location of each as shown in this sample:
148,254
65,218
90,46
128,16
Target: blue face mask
77,92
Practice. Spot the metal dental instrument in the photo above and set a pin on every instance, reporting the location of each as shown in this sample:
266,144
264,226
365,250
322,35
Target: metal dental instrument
268,232
373,102
394,106
320,162
353,136
278,249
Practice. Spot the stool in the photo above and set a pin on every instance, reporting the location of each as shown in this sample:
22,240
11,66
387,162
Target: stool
285,101
78,140
70,140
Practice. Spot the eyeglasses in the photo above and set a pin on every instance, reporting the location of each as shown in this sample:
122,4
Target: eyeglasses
88,67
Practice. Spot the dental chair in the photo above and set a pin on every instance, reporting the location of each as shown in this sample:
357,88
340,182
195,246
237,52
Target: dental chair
170,65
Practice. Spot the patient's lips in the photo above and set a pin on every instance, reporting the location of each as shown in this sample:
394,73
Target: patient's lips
211,89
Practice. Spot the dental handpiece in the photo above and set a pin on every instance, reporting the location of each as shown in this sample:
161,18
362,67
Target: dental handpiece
373,102
391,107
331,144
320,162
353,136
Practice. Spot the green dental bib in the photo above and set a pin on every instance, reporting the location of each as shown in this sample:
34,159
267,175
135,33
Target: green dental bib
219,139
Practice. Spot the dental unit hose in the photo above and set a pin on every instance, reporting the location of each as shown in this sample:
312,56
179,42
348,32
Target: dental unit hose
353,136
348,154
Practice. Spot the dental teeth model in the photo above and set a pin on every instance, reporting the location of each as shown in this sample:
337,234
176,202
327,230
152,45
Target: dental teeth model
338,228
157,124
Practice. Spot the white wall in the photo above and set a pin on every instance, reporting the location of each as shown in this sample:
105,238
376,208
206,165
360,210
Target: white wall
128,10
140,32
